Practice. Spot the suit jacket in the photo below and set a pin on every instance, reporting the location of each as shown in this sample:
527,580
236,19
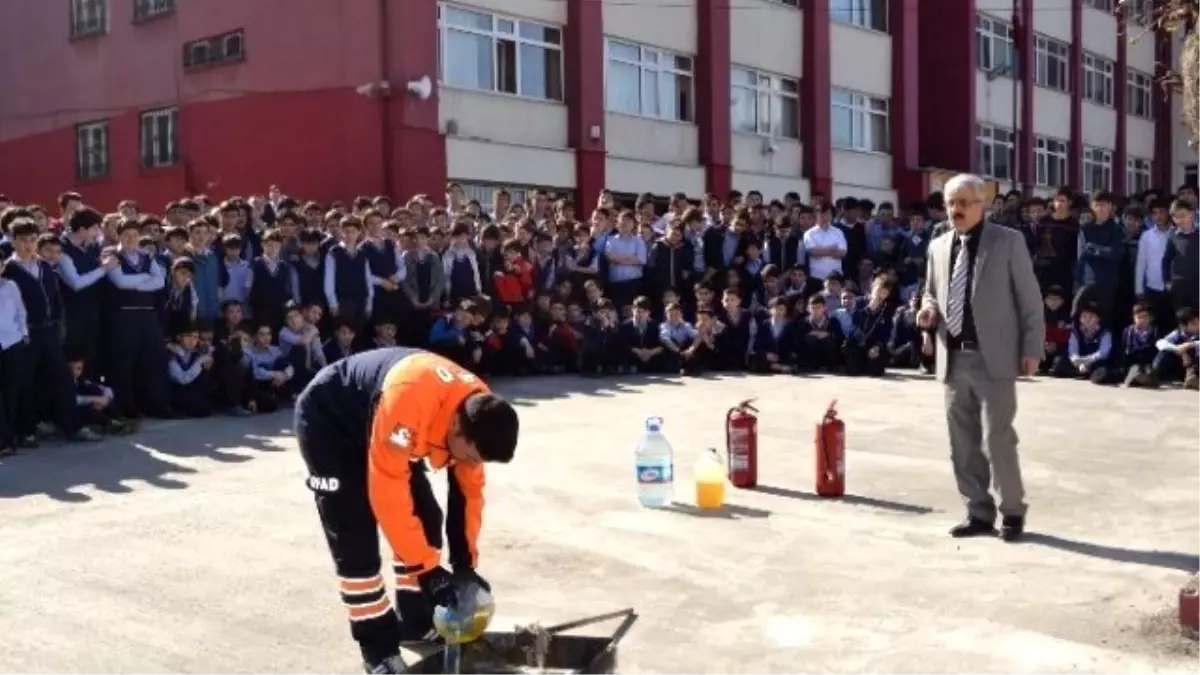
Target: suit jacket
1005,300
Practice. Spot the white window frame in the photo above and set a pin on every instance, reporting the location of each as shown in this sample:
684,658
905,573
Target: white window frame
1139,88
867,14
148,9
1049,153
862,107
995,32
657,63
1106,6
91,140
164,149
1098,79
774,89
1052,56
508,29
790,3
1139,175
996,139
1097,160
88,17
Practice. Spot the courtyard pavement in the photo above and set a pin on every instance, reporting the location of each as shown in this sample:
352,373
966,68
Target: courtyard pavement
194,546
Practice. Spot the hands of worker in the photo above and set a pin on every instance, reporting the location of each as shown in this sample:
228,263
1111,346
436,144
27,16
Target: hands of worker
467,575
438,587
927,317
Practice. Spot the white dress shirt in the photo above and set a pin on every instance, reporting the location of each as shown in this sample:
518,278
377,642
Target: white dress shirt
828,236
1148,272
14,325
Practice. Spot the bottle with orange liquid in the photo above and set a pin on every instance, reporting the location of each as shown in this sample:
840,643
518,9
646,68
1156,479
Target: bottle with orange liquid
709,476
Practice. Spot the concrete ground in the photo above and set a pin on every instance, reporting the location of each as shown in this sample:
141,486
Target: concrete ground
194,546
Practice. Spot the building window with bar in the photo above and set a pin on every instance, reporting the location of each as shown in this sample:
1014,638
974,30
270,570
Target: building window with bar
1050,161
91,150
996,152
160,137
650,82
498,54
765,104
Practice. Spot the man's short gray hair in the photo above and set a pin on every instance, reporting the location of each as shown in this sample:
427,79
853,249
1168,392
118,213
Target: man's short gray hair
964,180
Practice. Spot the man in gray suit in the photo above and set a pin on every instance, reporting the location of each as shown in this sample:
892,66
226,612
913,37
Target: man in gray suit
982,302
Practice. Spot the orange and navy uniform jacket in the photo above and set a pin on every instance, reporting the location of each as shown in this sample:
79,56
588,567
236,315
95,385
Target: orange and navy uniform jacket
419,399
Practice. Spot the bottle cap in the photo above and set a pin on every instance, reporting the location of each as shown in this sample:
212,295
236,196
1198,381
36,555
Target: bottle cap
654,424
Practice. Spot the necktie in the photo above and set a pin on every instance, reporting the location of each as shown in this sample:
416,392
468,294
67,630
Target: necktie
958,289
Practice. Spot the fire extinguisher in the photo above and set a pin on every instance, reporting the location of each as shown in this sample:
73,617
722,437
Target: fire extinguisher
831,454
741,444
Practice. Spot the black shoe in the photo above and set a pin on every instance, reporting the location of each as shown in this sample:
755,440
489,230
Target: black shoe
973,527
392,664
28,442
1012,527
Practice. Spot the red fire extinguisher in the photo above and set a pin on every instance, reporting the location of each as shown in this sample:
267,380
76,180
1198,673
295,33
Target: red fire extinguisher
831,454
741,444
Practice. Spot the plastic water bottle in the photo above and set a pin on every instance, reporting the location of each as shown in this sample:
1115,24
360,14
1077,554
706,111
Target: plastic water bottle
655,463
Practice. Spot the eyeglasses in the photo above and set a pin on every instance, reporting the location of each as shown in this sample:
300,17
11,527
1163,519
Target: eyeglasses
962,202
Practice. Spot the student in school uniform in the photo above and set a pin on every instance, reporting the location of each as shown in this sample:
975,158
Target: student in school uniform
1088,349
271,282
460,265
341,344
867,351
44,377
1139,348
1058,326
739,334
602,351
180,307
234,273
775,342
424,282
13,330
270,372
450,336
677,337
229,372
820,338
308,270
301,342
94,402
907,338
558,350
207,278
390,269
505,351
1177,351
189,369
349,286
82,269
640,335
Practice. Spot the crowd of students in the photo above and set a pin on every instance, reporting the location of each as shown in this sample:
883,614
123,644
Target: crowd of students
231,307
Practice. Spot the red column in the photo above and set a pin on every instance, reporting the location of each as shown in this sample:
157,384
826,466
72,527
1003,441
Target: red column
713,62
1027,66
1164,148
1120,77
905,104
1075,146
948,52
584,45
814,99
418,145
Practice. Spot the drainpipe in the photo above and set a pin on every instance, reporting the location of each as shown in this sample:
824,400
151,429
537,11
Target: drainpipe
385,97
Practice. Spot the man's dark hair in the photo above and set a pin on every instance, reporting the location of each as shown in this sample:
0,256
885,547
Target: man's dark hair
68,197
1185,315
492,424
84,218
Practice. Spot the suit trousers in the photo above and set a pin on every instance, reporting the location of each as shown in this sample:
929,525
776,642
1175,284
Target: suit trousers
980,413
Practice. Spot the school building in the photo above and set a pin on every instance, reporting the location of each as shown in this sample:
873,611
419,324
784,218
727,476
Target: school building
151,99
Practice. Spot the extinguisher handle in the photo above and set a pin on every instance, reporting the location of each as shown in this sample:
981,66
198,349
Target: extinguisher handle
746,405
831,411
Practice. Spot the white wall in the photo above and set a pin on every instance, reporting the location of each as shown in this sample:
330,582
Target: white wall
994,101
548,11
1181,154
1052,18
771,187
860,59
862,173
1139,50
650,140
670,25
782,165
504,119
1099,126
1099,32
1052,114
1139,137
484,161
625,175
767,35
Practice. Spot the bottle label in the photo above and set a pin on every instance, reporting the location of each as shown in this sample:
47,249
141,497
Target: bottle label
654,473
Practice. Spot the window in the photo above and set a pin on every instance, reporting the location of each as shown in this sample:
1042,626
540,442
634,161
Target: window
996,152
91,150
789,3
148,9
859,122
1097,80
994,40
1102,5
490,52
1097,169
1190,174
160,138
88,17
1050,158
1140,12
1138,88
765,104
649,82
865,13
1138,173
1052,59
226,48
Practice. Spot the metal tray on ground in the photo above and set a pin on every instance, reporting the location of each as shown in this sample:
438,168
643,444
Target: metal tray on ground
505,652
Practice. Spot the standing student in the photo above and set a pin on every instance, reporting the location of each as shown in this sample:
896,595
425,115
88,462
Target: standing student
136,369
1150,280
271,282
348,284
46,381
461,266
13,331
207,281
82,269
1182,259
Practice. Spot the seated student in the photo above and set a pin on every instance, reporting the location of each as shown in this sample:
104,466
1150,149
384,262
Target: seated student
563,291
866,351
576,317
341,344
797,282
593,294
842,308
706,299
180,308
1177,352
385,334
233,313
1058,326
188,369
640,335
1088,349
1139,348
301,342
602,348
820,338
270,373
705,352
229,372
541,313
737,335
558,350
904,344
450,336
677,337
95,403
833,289
770,286
775,342
506,351
669,297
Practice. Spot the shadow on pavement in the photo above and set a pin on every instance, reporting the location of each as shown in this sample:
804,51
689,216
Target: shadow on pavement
854,500
524,391
57,470
1172,560
727,512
